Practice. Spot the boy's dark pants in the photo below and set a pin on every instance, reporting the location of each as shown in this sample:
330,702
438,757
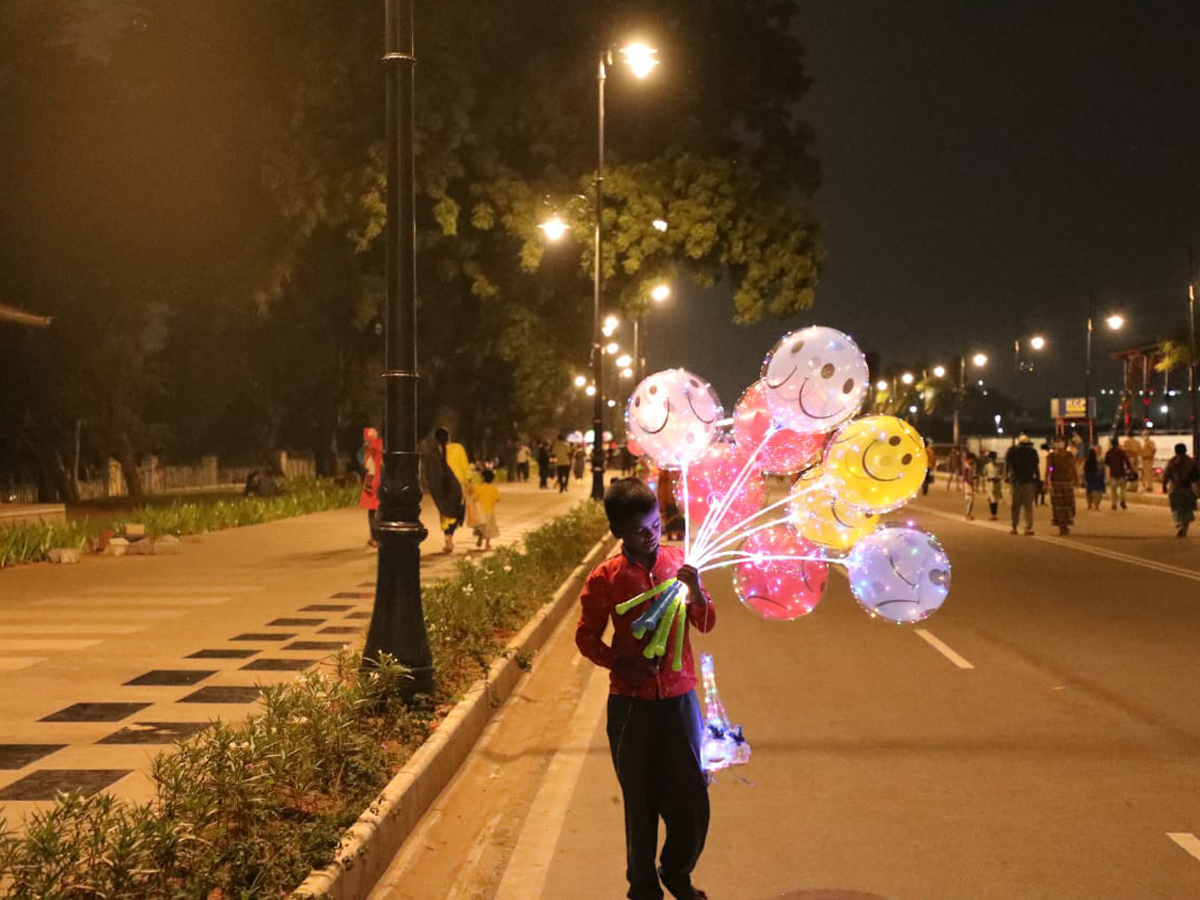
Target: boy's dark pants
655,748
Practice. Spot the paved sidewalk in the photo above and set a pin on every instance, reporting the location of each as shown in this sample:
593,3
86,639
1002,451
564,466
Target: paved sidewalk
104,663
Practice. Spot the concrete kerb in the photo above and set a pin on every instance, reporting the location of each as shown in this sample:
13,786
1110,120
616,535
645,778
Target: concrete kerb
367,847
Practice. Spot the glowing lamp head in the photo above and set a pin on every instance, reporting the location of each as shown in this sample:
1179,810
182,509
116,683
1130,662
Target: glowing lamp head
1037,342
939,371
580,381
610,325
624,360
591,390
659,224
979,359
1115,322
553,228
627,373
660,293
881,385
612,347
907,378
640,58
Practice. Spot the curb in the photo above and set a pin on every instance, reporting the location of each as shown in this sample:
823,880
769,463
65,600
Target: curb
367,847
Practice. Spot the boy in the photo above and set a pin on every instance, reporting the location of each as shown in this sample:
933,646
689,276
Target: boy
655,726
487,495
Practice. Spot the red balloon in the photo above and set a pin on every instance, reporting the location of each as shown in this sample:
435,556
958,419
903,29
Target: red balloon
708,481
634,447
780,589
786,450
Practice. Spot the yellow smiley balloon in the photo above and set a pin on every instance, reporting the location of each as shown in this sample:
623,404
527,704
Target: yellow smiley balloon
878,461
823,518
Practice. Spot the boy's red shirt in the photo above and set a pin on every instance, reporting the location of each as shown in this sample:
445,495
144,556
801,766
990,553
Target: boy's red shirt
614,581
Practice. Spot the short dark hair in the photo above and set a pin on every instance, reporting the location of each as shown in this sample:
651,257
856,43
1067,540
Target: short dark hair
441,435
1181,449
488,476
625,499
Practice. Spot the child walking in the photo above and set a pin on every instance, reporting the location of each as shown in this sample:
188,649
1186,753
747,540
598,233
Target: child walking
655,726
968,486
487,495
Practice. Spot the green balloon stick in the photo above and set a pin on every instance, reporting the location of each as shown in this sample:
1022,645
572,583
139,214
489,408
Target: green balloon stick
658,646
681,614
626,606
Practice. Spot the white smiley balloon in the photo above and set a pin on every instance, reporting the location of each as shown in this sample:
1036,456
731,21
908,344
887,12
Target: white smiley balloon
673,414
899,573
815,379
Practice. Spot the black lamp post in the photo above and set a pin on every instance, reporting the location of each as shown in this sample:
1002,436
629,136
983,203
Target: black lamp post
398,620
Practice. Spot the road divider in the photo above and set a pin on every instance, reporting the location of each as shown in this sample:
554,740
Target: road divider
942,648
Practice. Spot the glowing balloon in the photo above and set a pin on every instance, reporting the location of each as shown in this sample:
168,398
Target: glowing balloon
673,414
634,447
814,379
879,461
786,450
825,519
780,589
709,479
899,573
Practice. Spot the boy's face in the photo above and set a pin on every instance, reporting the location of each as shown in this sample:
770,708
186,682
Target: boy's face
641,533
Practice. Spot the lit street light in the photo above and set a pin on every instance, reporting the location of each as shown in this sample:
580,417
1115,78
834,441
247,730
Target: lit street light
658,294
939,371
554,228
624,360
1037,342
659,224
580,381
907,378
612,347
1114,321
881,385
591,390
979,360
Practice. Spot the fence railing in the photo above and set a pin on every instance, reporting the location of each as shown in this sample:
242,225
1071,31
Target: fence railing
160,479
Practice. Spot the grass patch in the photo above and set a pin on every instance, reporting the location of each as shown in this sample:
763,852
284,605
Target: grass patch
247,810
30,543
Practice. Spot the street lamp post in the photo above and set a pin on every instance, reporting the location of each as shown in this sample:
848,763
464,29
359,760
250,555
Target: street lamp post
980,360
1192,362
397,619
1113,322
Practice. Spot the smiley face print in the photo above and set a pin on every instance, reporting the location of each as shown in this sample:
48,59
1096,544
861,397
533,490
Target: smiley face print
878,462
673,415
815,379
900,573
825,519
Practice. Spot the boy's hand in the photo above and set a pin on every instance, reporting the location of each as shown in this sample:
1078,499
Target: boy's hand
633,670
690,578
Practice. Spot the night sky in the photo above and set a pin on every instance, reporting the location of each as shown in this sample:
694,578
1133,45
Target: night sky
986,165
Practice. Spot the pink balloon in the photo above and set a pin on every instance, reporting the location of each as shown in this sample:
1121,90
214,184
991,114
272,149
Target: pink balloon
780,589
708,481
786,450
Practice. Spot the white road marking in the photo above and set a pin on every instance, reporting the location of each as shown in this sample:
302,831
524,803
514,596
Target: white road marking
1187,841
170,588
82,628
461,887
131,601
87,614
525,874
1115,555
13,663
48,644
942,648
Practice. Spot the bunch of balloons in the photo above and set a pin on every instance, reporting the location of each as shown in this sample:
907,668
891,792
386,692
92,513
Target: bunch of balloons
798,419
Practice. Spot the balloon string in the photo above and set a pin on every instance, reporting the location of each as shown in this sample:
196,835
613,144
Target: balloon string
716,513
739,533
687,519
708,567
733,530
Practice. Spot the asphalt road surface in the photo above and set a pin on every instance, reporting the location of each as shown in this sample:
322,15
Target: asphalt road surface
1038,738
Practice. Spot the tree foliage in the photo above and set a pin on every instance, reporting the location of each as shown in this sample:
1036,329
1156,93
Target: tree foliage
204,212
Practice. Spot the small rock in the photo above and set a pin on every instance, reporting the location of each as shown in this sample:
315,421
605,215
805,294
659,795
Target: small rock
134,531
64,555
116,547
140,548
167,545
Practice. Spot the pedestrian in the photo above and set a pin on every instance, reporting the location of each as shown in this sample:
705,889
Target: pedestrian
487,495
1044,454
654,726
1079,453
1181,478
1117,462
562,463
1021,468
372,463
544,466
1149,448
930,465
1093,479
579,462
953,466
1061,481
993,474
968,486
1133,449
446,473
523,461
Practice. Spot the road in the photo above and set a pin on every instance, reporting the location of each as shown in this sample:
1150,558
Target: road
1037,738
105,663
